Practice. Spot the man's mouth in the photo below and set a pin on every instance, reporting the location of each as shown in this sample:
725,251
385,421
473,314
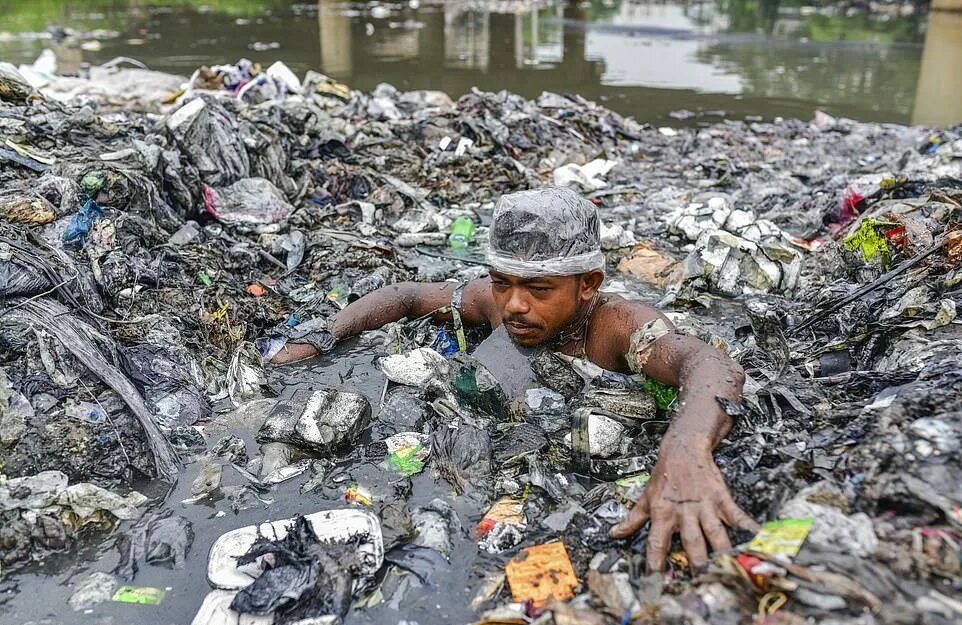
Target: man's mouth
520,329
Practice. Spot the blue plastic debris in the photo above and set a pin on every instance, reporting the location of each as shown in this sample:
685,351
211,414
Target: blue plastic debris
82,222
24,161
445,344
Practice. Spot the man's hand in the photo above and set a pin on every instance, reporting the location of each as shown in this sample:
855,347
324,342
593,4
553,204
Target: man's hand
294,352
307,346
686,494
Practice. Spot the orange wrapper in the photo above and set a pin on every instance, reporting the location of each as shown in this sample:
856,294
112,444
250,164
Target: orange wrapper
542,574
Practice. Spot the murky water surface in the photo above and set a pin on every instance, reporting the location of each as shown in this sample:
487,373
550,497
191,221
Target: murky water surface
727,59
722,58
351,366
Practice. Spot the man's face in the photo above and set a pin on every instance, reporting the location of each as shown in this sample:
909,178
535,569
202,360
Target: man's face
535,310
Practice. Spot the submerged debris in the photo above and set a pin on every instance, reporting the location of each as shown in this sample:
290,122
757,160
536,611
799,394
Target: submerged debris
150,262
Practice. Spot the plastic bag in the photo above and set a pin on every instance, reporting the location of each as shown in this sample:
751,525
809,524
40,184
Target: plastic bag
545,232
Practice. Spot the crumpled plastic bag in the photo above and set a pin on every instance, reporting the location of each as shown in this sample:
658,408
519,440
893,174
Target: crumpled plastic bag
588,177
735,253
416,368
85,499
247,202
210,137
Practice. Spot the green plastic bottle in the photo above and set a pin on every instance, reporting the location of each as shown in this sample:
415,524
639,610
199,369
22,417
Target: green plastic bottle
462,232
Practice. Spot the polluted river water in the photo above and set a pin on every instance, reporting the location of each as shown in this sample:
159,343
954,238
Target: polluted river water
716,63
734,60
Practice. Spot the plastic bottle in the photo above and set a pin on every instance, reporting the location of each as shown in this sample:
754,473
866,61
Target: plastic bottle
462,232
368,283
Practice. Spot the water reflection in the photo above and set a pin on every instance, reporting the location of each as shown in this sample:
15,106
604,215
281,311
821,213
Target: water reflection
646,59
737,57
938,98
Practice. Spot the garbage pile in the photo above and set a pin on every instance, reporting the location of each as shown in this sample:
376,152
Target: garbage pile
155,252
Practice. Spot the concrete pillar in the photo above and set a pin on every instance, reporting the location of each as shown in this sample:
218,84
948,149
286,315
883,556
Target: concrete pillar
336,51
947,5
938,96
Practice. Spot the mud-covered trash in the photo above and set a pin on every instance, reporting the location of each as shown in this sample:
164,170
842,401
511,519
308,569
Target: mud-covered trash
735,252
544,401
14,87
424,563
832,528
160,539
648,264
245,374
75,504
604,436
588,177
617,236
358,528
210,138
96,589
417,368
307,567
615,592
320,421
436,525
14,412
303,578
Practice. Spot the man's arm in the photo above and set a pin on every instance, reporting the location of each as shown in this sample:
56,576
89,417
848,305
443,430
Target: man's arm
395,302
687,493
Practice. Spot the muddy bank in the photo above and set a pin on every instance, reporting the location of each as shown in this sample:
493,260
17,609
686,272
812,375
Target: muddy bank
153,253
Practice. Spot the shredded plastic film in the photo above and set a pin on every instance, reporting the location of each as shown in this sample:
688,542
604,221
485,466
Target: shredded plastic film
545,232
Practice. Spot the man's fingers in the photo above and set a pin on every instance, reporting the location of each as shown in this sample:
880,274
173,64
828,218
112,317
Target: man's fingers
694,542
736,517
636,518
715,530
659,538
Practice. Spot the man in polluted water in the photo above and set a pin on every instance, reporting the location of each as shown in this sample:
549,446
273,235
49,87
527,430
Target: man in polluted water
546,269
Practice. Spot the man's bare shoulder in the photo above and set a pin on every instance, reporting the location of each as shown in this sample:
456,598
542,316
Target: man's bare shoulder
618,313
478,305
612,325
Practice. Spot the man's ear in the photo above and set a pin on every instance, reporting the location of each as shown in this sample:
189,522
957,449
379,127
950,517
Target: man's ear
591,284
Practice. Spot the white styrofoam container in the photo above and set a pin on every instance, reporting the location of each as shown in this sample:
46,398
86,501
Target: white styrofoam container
333,526
216,611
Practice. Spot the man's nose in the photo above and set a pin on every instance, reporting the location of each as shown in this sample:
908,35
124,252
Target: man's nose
517,303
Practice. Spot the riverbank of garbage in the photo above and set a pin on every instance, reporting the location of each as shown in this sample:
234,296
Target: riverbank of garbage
158,242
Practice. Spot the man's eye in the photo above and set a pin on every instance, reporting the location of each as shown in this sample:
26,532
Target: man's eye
540,289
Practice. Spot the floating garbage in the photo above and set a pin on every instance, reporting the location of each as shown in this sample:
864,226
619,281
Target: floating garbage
318,420
297,566
161,244
330,527
541,575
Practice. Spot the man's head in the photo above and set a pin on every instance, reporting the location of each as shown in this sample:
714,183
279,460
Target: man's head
545,260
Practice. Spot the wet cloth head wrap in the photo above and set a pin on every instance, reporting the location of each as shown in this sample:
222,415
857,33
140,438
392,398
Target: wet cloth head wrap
545,232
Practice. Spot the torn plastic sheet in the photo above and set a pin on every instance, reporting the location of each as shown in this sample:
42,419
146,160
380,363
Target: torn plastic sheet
545,232
78,337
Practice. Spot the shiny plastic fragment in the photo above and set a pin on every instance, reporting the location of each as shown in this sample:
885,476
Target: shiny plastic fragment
782,537
144,595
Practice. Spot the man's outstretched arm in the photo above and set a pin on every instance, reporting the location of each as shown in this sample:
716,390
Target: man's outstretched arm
687,493
393,303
